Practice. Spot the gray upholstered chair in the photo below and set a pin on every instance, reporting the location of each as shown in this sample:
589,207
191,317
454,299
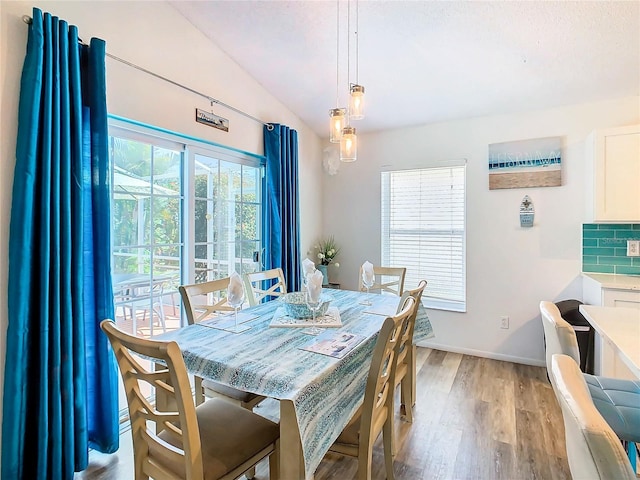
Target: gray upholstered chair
216,440
593,449
618,401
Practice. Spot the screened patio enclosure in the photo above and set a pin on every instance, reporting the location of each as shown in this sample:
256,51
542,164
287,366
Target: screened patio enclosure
179,215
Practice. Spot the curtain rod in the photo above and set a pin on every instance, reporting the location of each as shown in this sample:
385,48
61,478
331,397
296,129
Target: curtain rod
27,19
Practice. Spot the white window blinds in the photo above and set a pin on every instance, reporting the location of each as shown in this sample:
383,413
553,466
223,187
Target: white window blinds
423,229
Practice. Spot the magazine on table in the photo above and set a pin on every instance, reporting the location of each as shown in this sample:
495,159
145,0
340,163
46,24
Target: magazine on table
334,344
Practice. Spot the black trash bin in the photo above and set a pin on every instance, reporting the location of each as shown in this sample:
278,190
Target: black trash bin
569,310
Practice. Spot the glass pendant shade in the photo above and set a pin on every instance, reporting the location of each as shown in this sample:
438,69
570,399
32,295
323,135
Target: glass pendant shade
349,145
356,102
336,124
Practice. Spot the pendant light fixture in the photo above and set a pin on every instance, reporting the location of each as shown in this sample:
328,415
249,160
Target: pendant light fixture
340,129
349,145
337,115
349,140
356,102
336,124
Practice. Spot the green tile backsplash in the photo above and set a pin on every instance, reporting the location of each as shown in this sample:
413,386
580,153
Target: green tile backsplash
604,248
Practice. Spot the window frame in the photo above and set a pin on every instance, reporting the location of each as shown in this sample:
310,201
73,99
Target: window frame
438,303
191,146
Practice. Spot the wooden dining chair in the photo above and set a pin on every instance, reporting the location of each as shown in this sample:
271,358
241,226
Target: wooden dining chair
201,300
406,370
388,280
593,448
267,284
216,440
376,413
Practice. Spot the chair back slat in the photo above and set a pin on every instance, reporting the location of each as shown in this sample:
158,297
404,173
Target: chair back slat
388,280
267,284
203,299
378,399
150,451
406,340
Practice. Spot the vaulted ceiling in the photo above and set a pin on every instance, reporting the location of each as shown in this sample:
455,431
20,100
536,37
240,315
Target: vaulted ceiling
429,61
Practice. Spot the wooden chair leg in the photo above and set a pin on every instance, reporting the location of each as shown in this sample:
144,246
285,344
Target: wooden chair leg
364,462
389,446
139,458
274,463
199,391
405,397
413,353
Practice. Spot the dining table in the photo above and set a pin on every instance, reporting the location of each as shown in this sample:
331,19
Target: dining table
318,393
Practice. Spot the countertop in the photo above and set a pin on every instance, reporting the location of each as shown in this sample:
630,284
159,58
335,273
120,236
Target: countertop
621,326
622,282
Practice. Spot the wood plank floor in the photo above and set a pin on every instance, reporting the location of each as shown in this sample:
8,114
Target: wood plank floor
475,418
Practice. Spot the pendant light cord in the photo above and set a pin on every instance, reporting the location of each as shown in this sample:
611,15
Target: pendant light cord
349,43
337,53
357,42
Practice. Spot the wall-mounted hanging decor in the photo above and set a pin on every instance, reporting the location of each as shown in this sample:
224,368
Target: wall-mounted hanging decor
331,160
526,212
212,120
526,163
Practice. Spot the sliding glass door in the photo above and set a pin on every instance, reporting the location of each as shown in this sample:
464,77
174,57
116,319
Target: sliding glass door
146,218
182,212
227,215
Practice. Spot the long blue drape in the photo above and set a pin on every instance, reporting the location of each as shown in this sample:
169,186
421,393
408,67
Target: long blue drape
60,390
281,225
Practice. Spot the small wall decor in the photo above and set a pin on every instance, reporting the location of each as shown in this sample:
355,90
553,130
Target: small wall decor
527,212
331,160
526,163
212,120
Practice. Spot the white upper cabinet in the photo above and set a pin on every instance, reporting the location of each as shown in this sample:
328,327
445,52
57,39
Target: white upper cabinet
613,173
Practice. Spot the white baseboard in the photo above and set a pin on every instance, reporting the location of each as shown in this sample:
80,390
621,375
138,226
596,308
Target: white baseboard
484,354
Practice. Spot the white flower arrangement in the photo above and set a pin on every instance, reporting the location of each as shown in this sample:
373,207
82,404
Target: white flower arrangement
327,251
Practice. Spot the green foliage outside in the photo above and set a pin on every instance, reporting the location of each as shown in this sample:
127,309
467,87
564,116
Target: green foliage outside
151,201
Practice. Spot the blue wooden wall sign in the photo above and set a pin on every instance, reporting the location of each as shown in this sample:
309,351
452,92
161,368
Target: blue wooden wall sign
526,212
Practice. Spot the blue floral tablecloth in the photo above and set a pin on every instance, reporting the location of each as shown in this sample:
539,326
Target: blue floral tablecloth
325,391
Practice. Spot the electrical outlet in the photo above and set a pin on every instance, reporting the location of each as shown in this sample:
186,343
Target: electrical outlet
633,248
504,321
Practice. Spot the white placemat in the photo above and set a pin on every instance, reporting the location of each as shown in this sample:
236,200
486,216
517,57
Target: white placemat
329,319
227,322
384,310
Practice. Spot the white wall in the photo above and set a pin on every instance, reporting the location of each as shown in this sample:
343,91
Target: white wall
509,269
154,36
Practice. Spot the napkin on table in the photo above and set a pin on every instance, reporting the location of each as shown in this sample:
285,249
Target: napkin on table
235,290
308,267
367,273
314,285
